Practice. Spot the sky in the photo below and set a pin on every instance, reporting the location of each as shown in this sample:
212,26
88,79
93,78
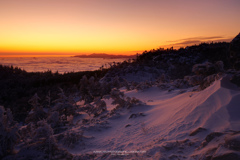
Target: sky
70,27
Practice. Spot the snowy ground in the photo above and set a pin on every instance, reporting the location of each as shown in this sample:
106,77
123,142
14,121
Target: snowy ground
179,124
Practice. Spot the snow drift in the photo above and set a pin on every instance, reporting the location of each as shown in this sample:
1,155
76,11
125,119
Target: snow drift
172,125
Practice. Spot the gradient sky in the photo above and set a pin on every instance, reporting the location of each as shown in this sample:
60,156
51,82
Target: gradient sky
48,27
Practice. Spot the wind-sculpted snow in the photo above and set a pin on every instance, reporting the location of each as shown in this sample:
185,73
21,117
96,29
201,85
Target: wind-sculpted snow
169,119
148,122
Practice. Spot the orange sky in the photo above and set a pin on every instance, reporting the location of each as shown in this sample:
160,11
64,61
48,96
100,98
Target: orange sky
69,27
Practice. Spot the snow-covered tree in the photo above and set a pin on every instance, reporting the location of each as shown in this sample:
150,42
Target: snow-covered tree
94,88
37,113
43,131
8,132
206,68
105,88
126,84
115,82
118,98
144,85
100,106
34,101
54,119
42,144
130,102
88,108
63,104
70,139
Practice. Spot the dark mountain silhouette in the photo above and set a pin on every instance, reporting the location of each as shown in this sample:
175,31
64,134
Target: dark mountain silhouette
103,55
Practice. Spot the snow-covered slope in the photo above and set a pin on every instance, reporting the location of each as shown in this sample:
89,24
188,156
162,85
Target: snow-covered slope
170,126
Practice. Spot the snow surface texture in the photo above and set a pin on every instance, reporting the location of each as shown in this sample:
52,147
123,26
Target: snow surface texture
170,125
147,123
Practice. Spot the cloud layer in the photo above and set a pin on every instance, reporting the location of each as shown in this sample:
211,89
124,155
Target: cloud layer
196,40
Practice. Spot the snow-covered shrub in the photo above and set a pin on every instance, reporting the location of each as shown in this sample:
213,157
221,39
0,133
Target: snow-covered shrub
89,89
163,85
133,85
204,69
36,132
126,84
129,69
37,113
130,102
63,104
194,80
219,65
205,74
105,88
43,151
26,132
8,132
180,83
34,101
87,98
163,78
96,108
101,106
116,93
63,119
42,144
70,139
118,98
116,82
43,131
121,101
144,85
94,87
88,108
209,80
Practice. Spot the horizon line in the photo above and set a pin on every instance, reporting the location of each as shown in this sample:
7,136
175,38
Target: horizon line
58,55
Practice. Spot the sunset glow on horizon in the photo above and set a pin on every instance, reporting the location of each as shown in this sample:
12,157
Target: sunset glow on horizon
70,27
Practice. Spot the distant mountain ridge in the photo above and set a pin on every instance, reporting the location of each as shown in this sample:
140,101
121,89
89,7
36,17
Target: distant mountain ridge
103,55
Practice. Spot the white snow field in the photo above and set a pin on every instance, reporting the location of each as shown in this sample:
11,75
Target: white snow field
170,125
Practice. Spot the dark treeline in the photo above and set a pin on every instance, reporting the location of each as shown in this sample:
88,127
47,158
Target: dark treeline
176,63
18,86
206,51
